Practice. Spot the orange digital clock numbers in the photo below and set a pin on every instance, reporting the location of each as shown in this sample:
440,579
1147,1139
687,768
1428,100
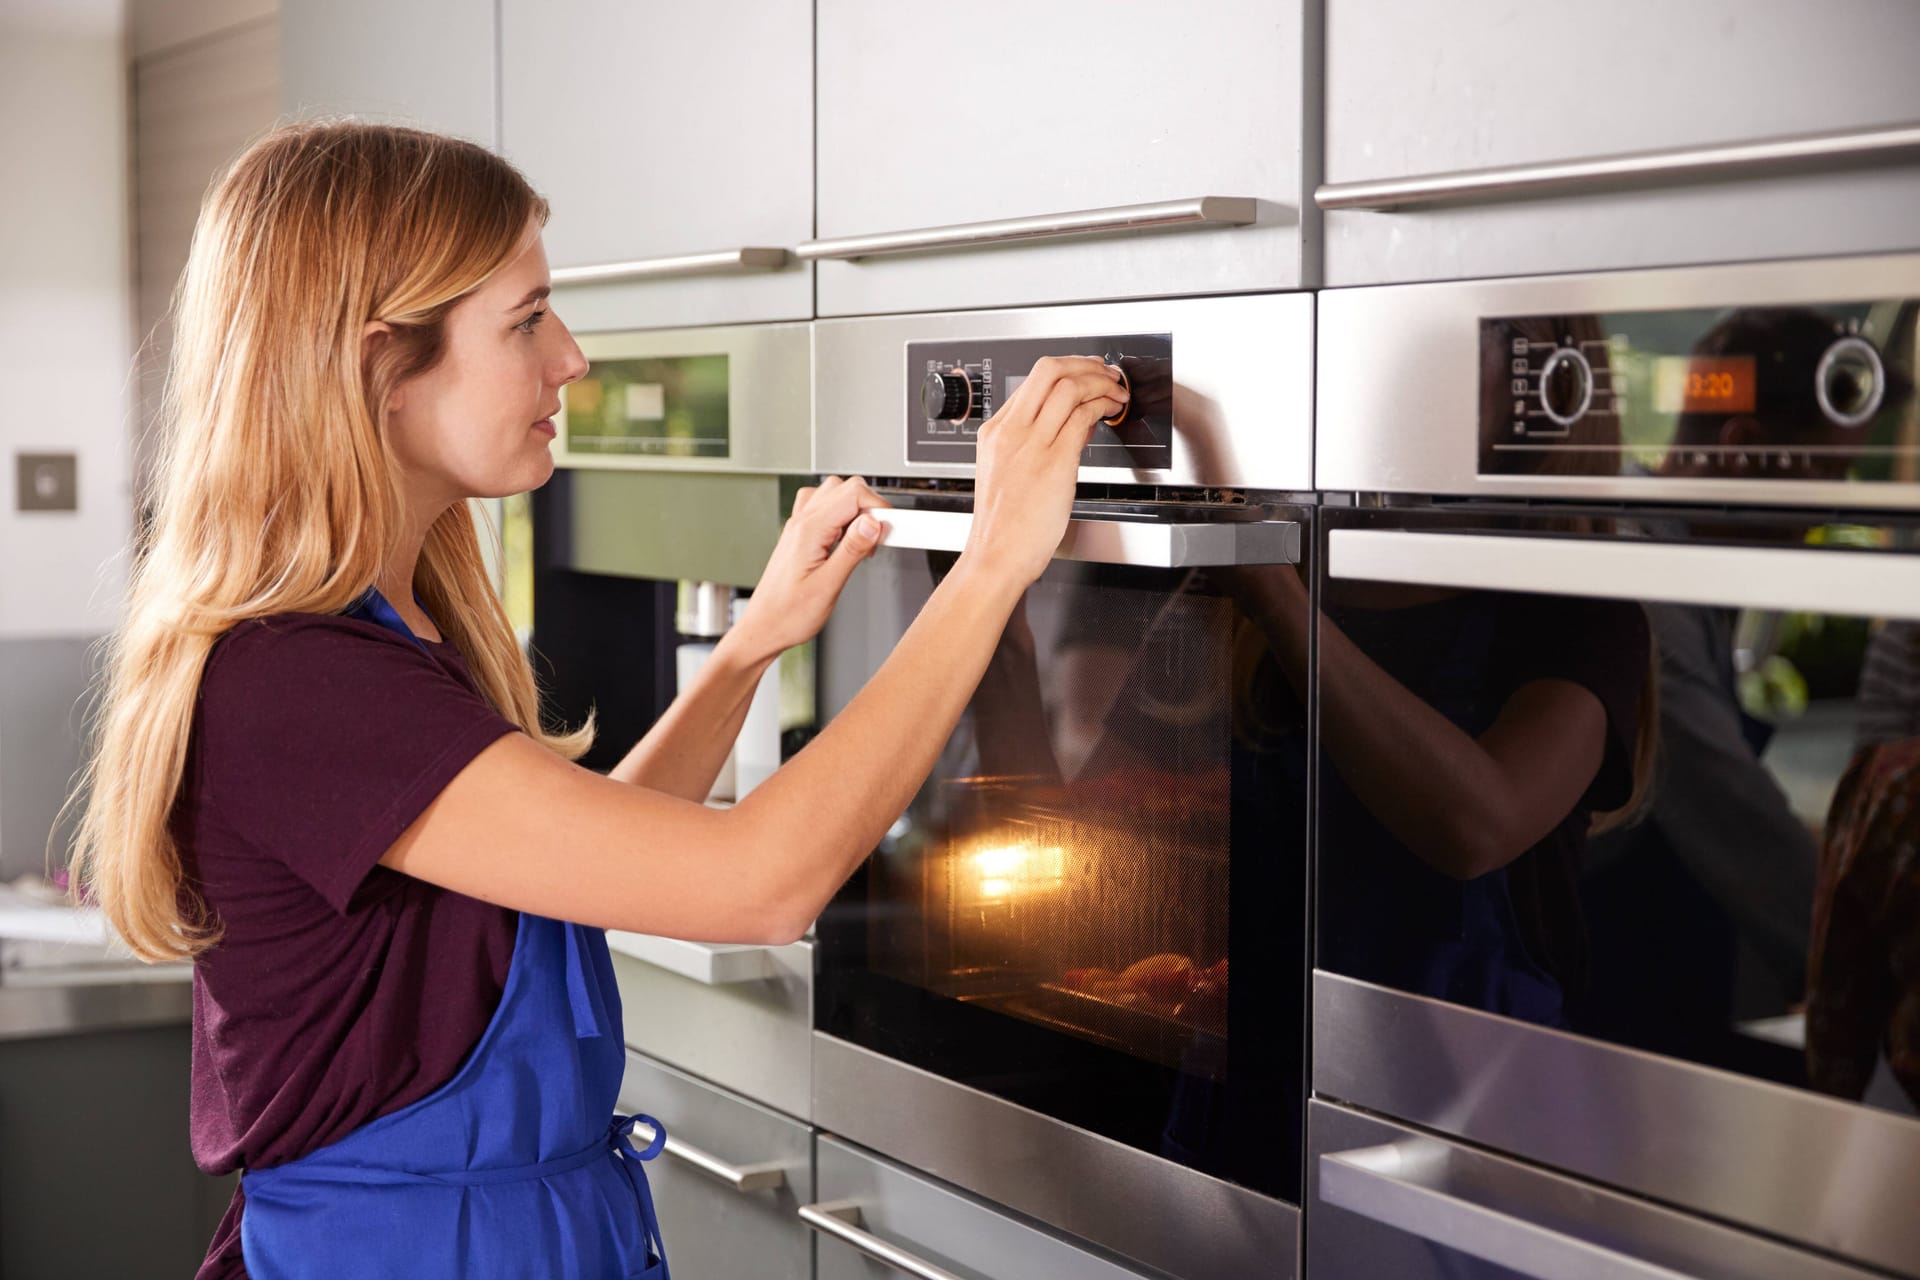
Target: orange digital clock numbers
1704,384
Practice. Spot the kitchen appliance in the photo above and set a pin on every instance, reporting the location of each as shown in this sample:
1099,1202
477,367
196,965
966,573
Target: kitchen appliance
1616,626
1025,992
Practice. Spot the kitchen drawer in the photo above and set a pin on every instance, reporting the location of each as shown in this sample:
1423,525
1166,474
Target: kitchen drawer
1387,1200
730,1183
1023,111
894,1207
662,131
1420,90
739,1017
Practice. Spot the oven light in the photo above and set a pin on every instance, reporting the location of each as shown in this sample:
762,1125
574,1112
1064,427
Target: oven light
995,888
1006,860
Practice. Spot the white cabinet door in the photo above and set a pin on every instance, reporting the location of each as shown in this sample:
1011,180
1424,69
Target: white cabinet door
427,63
932,116
1417,89
661,129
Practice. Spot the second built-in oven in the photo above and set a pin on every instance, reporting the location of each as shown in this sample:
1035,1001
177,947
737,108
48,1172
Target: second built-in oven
1070,980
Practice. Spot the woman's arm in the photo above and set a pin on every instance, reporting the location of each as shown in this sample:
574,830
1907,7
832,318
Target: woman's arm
520,827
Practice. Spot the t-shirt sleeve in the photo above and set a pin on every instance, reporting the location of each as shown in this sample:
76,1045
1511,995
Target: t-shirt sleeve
1604,646
318,740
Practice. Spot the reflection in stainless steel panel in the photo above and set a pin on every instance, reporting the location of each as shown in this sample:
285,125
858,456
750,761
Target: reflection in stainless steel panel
1136,1205
1707,1140
77,1007
1392,1201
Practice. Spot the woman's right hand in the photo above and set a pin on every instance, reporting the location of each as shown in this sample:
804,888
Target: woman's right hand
1029,457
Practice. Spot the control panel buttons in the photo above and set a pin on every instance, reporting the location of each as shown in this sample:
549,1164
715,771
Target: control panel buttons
948,396
1566,386
1850,382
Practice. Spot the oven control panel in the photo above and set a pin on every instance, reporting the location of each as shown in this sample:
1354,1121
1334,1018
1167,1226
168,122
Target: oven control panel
954,386
1766,393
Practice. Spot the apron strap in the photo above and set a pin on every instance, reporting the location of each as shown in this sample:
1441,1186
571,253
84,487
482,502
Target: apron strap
618,1135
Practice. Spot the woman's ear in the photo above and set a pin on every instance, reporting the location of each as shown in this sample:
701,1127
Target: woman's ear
374,336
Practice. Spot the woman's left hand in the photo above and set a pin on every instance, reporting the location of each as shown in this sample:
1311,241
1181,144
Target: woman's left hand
825,539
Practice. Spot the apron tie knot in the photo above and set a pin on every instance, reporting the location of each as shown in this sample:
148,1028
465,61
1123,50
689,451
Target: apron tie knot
622,1128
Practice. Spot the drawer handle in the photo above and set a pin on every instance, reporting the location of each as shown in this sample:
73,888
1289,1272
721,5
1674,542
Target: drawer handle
841,1220
1389,1184
744,1178
1798,153
1149,543
1199,213
725,262
712,963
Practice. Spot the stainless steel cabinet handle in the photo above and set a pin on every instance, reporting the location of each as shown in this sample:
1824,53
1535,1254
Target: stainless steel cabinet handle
742,1177
1197,213
1800,153
1153,544
1389,1184
715,964
841,1220
725,262
1857,583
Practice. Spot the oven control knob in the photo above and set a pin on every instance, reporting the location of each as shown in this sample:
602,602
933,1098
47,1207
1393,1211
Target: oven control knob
950,395
1850,382
1566,385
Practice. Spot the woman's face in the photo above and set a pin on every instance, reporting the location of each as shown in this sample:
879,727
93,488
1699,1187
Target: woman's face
478,424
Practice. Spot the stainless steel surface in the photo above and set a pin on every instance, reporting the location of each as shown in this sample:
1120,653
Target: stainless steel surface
1243,385
32,1011
671,525
764,1175
723,262
713,964
1393,356
701,608
1389,1200
1197,214
730,1179
753,1037
1137,1206
841,1219
769,371
1149,543
1853,583
1800,153
1708,1141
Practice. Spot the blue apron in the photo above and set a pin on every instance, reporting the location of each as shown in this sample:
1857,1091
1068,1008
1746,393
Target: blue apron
515,1167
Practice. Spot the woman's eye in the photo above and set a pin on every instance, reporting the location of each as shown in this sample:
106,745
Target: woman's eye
528,325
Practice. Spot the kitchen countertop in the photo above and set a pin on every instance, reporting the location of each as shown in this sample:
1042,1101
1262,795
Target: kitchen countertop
62,972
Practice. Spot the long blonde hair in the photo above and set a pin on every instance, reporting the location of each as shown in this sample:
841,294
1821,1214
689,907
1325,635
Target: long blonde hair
276,490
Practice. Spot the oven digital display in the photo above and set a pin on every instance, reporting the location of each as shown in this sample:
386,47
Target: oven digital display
1703,384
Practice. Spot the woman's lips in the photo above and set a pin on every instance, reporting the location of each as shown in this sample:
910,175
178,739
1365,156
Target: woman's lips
545,428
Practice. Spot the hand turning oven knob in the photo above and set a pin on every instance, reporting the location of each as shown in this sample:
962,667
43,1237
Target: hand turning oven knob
1850,382
1566,386
949,395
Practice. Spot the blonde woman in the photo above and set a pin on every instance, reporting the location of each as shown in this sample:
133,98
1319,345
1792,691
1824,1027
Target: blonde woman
320,772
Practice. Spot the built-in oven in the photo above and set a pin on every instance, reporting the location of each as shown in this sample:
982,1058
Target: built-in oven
1617,645
1071,978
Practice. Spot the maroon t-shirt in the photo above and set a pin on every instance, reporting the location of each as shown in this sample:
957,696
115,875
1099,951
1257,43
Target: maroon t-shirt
340,991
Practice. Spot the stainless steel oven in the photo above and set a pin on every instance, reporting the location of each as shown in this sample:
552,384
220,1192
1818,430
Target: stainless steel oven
1618,688
1070,981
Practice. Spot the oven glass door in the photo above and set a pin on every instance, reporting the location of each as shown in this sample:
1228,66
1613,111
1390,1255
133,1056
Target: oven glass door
1095,908
1652,779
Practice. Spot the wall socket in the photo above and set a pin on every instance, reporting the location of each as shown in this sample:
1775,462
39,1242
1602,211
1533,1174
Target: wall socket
46,481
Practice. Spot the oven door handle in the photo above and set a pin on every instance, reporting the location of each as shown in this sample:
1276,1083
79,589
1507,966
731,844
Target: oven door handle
712,963
1149,543
744,1178
1401,1185
841,1220
1855,583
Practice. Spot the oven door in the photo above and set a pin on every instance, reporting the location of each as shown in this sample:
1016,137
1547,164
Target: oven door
1615,862
1026,990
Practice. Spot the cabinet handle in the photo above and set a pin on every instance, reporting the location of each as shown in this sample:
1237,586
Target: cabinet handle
743,1178
1389,1184
1873,584
1798,153
841,1220
715,964
725,262
1149,543
1195,214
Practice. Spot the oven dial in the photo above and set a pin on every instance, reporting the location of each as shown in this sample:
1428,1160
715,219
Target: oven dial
951,395
1850,382
1566,385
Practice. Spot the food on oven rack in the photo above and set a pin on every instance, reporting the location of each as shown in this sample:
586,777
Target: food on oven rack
1168,984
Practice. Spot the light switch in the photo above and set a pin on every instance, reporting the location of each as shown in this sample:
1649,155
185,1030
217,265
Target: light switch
46,481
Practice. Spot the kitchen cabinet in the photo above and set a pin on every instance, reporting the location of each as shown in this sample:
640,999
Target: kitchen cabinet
728,1187
662,130
1022,111
1417,90
427,63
